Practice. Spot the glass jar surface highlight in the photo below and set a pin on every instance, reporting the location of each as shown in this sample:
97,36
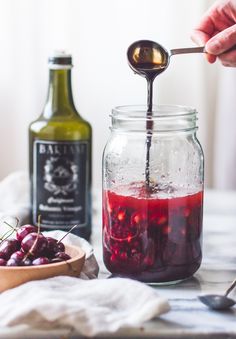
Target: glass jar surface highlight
153,232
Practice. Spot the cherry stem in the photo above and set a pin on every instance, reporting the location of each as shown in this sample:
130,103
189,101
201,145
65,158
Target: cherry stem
12,227
12,230
32,247
6,235
70,230
39,224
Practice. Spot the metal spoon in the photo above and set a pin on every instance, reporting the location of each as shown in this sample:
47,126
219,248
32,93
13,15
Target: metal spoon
147,57
219,302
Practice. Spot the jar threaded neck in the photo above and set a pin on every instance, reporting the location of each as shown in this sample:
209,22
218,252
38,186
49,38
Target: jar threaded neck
165,118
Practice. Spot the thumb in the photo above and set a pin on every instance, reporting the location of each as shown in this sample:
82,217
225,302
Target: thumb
201,38
222,41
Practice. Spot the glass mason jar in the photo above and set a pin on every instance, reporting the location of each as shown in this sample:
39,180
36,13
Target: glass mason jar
153,203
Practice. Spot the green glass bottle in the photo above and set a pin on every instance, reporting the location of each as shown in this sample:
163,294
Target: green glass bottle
60,157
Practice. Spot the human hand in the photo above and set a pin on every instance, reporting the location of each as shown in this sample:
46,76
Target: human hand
217,32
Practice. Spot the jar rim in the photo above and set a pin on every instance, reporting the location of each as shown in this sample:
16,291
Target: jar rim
158,111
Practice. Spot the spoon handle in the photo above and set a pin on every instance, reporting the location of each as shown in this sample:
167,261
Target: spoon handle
231,287
194,50
187,50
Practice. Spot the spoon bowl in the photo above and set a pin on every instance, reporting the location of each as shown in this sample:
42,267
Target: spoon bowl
149,58
217,302
146,56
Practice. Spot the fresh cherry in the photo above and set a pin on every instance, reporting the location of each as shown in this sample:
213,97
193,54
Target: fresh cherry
31,248
40,261
12,262
59,247
24,230
51,246
2,262
26,262
8,247
62,255
35,244
54,246
18,256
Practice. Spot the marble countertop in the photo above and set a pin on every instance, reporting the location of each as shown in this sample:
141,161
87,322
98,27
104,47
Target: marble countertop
188,318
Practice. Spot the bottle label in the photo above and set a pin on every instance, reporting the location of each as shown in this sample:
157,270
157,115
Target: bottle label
60,183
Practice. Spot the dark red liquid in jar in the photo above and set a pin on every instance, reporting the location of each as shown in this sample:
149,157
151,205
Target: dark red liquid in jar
152,238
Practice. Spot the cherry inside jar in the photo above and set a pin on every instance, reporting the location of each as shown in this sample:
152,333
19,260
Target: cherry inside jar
152,238
153,233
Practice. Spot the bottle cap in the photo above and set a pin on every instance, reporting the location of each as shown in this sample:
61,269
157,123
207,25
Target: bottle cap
60,60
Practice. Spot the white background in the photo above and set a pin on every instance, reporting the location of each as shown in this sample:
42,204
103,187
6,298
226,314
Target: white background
98,33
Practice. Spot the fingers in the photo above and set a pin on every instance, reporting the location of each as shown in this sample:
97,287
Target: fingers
205,28
217,32
222,41
228,59
201,38
211,58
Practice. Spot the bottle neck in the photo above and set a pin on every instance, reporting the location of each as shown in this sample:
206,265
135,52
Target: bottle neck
60,97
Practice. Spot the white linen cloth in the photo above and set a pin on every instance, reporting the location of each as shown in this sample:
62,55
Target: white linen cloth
14,197
88,307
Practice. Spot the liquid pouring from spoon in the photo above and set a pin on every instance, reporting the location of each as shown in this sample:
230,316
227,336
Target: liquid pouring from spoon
219,302
149,59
